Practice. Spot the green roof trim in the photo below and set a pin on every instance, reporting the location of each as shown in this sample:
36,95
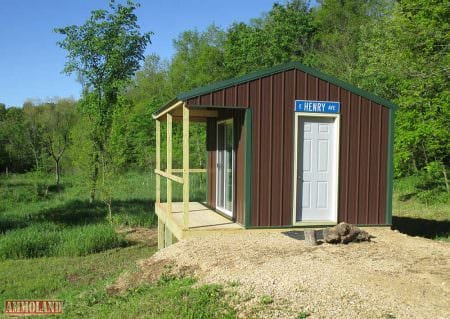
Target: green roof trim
273,70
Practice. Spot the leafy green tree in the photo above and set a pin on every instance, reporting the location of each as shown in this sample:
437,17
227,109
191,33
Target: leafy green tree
337,40
15,153
283,34
405,57
57,120
105,52
33,133
198,59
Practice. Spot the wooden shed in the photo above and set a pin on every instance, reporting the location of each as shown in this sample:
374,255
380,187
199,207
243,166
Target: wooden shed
287,146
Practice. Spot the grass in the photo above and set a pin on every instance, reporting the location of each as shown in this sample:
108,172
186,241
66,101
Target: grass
418,217
54,244
80,282
40,219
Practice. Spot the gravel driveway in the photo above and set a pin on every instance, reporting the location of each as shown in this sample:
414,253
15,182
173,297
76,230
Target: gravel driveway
273,275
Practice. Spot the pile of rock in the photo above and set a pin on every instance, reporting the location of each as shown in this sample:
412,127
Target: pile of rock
344,233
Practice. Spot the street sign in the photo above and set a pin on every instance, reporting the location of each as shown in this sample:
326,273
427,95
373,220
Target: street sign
317,106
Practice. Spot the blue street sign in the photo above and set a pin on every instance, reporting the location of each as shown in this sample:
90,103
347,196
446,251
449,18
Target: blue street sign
317,106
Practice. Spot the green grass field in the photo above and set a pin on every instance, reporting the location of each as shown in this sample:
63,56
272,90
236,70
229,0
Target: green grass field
66,249
54,244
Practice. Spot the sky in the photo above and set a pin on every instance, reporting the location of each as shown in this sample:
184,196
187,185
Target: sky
31,63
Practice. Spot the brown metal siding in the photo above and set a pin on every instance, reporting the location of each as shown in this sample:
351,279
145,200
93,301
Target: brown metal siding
362,153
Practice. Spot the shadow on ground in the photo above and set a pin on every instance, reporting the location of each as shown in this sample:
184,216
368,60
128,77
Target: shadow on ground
78,212
82,212
421,227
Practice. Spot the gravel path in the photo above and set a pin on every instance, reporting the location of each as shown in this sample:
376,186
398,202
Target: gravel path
395,276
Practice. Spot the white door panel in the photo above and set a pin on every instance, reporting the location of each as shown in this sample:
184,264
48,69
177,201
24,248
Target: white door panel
315,163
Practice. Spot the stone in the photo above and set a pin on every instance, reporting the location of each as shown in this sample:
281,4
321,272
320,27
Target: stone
345,233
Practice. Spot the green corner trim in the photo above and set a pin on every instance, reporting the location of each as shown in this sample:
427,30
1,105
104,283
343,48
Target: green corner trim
390,167
248,167
269,71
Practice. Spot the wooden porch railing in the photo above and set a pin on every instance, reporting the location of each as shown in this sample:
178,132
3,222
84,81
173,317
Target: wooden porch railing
168,173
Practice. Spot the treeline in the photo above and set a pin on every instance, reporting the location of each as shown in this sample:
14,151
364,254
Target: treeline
396,49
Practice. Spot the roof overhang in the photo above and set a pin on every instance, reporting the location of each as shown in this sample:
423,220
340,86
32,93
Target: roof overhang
175,108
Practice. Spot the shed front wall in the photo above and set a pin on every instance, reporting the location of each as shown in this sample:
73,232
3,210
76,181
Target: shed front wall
239,148
362,154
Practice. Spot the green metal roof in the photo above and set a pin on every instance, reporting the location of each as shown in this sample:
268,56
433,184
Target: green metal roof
273,70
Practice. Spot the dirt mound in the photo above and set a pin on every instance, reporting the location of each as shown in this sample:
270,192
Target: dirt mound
148,236
394,276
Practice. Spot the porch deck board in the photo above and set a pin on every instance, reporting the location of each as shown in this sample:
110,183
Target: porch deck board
201,218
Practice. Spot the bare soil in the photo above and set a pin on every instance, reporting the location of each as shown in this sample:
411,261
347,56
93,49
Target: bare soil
271,275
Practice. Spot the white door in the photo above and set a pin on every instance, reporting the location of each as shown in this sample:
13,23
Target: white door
225,167
315,169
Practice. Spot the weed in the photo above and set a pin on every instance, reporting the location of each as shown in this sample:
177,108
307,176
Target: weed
266,300
303,314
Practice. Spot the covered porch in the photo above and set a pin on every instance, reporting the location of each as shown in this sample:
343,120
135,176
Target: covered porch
178,220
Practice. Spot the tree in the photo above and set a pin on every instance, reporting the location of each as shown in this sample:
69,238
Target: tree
198,59
339,25
57,120
33,132
105,52
405,57
15,153
282,35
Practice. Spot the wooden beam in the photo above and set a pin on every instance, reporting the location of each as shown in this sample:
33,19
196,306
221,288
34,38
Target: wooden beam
179,119
166,111
158,161
197,113
169,162
168,221
185,166
191,170
171,177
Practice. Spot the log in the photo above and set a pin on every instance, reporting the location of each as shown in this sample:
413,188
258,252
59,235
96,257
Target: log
310,237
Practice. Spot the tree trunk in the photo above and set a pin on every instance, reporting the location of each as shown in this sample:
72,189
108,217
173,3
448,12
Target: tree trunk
310,237
57,172
414,164
444,172
94,177
36,159
109,212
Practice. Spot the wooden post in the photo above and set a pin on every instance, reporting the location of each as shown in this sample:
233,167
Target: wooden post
161,234
310,237
158,161
185,166
168,237
169,162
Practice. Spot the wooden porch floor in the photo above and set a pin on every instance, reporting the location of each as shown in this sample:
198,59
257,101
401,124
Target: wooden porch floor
201,220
